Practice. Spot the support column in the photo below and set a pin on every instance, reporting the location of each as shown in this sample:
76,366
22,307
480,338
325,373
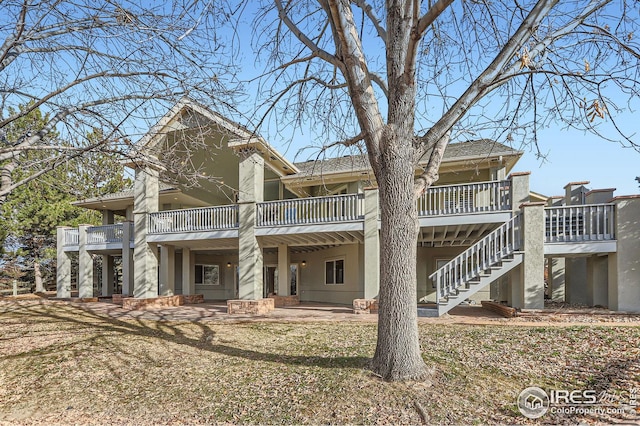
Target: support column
284,270
251,176
167,270
63,266
624,264
107,275
145,256
556,279
597,280
188,278
127,258
85,265
532,267
371,244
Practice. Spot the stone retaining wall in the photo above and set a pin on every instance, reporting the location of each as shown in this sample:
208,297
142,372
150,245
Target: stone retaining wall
281,301
185,300
152,303
365,306
250,307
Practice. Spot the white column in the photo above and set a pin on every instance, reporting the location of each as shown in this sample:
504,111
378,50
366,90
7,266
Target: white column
63,266
85,265
107,275
188,278
556,278
284,270
167,270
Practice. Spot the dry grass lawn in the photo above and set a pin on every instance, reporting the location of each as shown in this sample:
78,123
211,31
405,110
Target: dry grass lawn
61,364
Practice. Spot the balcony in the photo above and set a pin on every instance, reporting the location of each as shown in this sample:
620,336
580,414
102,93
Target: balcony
311,211
107,234
580,229
482,197
193,220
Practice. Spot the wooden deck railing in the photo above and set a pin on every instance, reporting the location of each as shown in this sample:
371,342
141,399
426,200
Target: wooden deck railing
193,220
589,222
335,208
463,199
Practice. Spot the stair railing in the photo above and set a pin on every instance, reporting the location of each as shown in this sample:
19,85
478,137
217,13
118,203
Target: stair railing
485,253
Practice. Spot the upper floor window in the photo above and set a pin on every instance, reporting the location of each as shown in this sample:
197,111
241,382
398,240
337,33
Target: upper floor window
334,271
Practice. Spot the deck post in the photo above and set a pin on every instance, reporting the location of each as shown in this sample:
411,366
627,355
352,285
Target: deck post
251,189
284,270
188,277
145,255
127,258
597,280
371,244
107,275
85,265
624,264
556,279
167,281
63,267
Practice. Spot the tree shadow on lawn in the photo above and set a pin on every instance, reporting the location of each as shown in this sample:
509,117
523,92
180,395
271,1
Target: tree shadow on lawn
166,331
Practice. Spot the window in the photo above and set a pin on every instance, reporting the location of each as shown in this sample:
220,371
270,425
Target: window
207,274
334,271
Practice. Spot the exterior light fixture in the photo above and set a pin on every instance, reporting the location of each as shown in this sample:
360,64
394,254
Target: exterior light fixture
304,263
228,264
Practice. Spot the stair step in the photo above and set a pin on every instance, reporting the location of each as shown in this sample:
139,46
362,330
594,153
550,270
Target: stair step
428,312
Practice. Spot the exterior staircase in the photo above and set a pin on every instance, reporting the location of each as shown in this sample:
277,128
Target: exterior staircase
484,262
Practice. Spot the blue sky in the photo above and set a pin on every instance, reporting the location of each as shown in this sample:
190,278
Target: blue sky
574,156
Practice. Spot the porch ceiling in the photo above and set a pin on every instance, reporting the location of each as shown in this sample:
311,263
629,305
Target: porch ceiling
313,239
208,244
453,235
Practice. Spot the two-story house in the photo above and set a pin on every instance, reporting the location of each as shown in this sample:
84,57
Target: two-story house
263,225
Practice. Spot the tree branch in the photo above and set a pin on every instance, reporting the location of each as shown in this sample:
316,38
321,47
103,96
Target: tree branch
375,21
315,49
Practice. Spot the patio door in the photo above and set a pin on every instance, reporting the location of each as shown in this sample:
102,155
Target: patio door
270,280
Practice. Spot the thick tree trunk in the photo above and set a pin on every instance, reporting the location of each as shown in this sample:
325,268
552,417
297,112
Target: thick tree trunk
398,354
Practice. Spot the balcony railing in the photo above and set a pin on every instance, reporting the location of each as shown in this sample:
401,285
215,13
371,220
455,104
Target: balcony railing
105,234
313,210
468,198
194,220
71,237
589,222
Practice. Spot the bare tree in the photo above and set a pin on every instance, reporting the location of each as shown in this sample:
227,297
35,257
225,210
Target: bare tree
400,79
115,66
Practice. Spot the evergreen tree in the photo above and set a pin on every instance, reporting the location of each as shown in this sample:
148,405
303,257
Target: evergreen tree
30,215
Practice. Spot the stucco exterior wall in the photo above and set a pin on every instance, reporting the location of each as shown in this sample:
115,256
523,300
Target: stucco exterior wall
312,287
